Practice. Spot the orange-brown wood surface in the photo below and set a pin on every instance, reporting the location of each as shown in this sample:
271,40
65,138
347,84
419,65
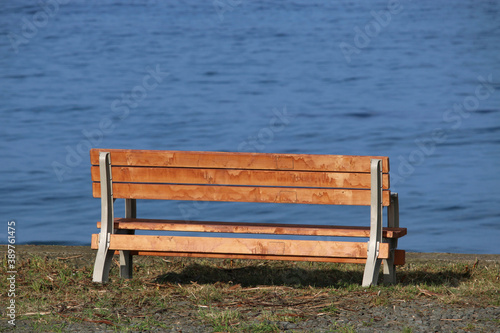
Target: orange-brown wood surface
242,194
252,228
240,177
398,260
399,256
260,161
250,256
240,246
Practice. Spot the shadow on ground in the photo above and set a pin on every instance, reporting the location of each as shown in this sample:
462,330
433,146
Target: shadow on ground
250,276
442,277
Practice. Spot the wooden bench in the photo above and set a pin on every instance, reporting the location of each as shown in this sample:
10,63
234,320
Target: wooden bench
245,177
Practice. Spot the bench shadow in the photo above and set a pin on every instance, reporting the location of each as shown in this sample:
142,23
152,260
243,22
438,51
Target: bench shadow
331,277
447,277
251,276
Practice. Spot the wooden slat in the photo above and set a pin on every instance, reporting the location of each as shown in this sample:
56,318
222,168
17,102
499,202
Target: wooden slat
240,177
241,194
399,256
252,228
252,256
260,161
241,246
398,260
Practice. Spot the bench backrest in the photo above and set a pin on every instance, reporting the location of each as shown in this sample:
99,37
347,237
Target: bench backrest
245,177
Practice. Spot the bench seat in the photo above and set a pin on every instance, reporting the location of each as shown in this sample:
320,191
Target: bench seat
247,248
270,249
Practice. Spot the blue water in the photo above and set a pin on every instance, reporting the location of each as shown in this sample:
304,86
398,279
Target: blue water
418,82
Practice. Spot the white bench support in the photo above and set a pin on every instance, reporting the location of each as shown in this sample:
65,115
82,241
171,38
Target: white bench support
372,266
104,255
392,222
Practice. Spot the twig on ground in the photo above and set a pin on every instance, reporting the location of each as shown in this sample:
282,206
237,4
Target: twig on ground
72,257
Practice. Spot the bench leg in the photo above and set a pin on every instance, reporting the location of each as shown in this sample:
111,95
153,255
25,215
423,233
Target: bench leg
102,265
126,261
390,268
372,267
104,254
392,222
126,264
